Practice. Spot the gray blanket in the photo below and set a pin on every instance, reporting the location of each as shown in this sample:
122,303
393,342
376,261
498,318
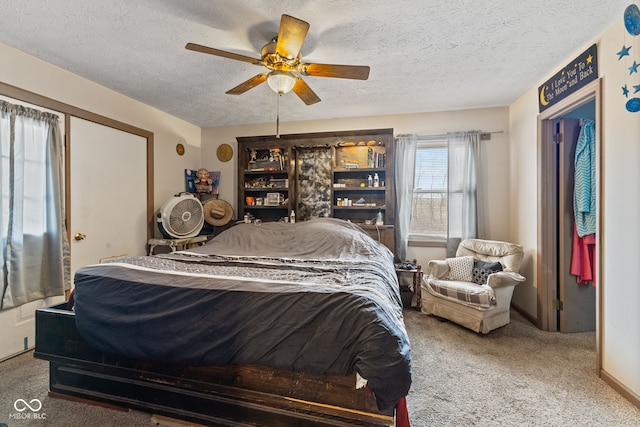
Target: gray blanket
319,296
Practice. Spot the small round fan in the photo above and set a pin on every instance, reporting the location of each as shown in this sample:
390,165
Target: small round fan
181,216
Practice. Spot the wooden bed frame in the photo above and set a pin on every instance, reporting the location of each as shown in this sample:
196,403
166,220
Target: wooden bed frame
235,395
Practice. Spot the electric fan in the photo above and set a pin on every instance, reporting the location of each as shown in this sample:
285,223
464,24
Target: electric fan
181,216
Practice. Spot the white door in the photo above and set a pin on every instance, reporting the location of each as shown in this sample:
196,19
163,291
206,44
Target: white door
108,193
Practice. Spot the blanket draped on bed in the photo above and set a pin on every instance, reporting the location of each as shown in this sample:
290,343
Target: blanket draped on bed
318,296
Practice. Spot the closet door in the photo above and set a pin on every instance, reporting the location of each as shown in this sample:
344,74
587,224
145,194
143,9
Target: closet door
108,193
578,301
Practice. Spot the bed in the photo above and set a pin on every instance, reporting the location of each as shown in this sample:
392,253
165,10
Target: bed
295,316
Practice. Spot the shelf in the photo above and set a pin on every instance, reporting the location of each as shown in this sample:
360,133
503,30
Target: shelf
265,189
353,207
266,172
374,227
381,189
351,170
250,207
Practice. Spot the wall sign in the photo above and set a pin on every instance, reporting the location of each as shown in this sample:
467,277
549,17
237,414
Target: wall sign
575,75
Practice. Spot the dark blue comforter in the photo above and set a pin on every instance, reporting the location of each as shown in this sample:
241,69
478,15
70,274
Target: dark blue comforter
318,296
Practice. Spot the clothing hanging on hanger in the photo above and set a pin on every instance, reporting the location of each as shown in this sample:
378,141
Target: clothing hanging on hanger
584,204
584,190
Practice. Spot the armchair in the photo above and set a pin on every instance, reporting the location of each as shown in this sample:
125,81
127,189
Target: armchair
474,289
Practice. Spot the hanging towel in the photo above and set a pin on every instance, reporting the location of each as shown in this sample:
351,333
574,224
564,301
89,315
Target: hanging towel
584,192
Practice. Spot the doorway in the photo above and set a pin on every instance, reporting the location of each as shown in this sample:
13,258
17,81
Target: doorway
564,305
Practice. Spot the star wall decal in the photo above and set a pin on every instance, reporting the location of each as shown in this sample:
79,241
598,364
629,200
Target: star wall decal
632,25
623,52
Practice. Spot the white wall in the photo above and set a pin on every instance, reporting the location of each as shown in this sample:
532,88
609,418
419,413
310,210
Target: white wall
621,203
523,176
621,178
495,174
31,74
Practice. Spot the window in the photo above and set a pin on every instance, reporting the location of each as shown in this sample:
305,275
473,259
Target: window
32,168
429,206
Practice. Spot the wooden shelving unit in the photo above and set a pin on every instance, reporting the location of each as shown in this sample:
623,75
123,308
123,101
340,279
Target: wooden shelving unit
317,169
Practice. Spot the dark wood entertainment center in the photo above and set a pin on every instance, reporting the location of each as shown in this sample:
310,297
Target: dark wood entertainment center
313,173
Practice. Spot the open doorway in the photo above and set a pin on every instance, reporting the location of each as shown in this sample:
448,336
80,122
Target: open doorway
564,304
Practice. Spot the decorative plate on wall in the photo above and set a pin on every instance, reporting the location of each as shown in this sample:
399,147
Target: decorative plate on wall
180,147
224,152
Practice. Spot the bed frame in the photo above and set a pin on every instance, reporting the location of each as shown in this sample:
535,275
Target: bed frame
238,395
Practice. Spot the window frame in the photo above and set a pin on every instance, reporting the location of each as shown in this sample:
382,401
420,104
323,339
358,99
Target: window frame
416,239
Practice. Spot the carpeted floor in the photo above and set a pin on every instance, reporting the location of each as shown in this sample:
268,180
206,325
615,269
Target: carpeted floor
514,376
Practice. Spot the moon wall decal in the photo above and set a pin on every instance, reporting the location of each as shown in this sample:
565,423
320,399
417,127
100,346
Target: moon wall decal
543,99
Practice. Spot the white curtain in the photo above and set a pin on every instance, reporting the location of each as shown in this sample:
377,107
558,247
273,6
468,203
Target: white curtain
35,250
464,155
405,152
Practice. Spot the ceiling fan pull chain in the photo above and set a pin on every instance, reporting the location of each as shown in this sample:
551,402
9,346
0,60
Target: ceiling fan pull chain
278,116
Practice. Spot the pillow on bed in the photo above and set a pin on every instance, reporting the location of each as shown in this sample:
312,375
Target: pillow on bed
460,268
482,270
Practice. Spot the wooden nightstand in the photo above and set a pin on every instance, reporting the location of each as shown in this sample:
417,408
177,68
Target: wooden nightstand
417,282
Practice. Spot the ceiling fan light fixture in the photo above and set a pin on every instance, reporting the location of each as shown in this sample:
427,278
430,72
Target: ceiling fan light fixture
281,82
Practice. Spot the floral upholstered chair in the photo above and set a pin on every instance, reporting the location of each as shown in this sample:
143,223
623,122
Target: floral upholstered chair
474,289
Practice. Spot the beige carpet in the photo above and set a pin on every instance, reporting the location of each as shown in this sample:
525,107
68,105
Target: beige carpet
515,376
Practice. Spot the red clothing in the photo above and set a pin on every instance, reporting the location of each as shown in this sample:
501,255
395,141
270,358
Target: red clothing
402,414
582,258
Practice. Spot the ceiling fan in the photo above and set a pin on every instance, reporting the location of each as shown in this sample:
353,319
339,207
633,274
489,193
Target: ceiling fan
283,59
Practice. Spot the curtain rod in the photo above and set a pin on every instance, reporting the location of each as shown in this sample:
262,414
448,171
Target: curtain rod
484,136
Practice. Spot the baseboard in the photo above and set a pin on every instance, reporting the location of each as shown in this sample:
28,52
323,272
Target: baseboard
620,388
525,314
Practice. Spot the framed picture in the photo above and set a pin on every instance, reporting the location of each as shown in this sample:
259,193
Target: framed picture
191,175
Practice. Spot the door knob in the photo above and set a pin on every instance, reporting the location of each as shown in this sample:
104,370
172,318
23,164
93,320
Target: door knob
79,236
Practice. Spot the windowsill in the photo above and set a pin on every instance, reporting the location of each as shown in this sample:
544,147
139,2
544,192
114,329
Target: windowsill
427,243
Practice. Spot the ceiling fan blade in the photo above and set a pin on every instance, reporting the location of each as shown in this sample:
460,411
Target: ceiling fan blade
302,89
291,36
224,54
249,84
358,72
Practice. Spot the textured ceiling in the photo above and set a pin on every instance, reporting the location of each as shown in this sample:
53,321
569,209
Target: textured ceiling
425,55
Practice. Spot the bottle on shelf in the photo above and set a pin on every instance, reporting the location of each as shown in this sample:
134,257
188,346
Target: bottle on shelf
376,180
292,217
379,220
369,181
